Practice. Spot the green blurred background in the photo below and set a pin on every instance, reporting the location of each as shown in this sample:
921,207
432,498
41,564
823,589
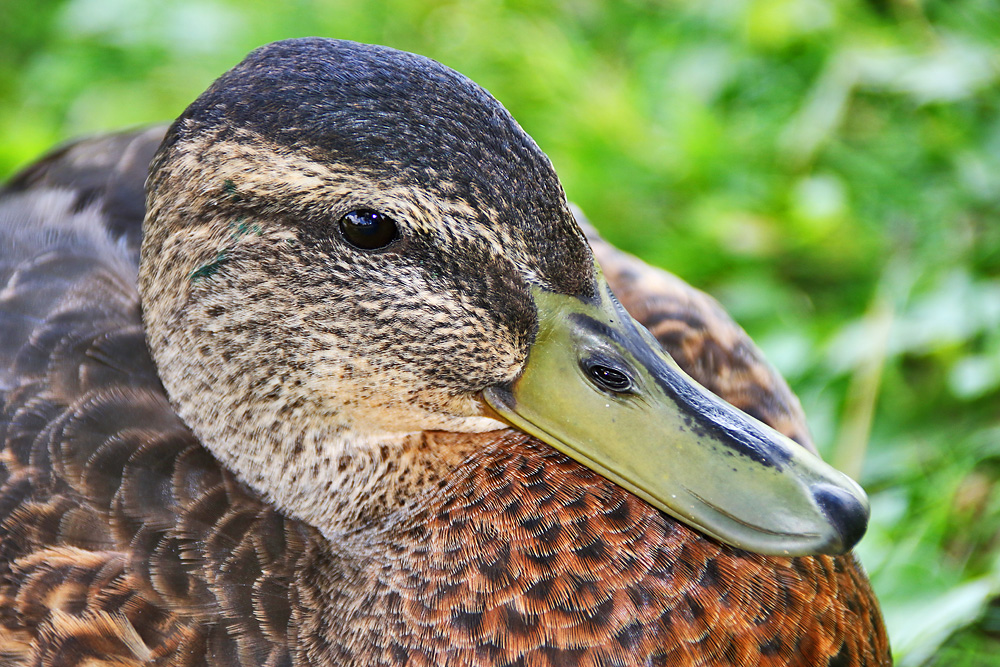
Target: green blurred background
830,170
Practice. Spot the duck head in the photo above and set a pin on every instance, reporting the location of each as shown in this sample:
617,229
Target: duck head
346,245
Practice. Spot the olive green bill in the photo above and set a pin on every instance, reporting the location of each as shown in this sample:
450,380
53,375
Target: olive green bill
599,388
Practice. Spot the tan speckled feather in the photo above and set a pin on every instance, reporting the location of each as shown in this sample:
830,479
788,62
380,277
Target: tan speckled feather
124,542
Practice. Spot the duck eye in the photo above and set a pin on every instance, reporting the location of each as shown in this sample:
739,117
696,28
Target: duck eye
608,379
368,230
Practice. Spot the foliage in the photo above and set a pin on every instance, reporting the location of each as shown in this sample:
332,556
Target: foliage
829,169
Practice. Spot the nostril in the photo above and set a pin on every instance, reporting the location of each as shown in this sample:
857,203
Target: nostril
609,379
846,513
607,374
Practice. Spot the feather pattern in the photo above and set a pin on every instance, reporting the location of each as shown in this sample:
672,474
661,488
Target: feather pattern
124,542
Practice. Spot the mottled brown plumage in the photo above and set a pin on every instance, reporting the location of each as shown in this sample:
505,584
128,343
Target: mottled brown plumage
123,541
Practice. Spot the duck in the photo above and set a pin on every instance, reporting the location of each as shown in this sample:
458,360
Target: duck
329,372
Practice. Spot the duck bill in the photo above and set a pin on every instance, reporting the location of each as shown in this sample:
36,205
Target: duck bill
599,388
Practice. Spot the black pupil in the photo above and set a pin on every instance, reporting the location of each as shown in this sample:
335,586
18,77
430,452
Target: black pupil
609,379
368,230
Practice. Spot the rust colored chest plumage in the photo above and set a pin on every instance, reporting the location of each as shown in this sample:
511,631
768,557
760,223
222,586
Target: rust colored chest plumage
531,559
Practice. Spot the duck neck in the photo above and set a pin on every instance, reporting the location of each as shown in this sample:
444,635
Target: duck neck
348,483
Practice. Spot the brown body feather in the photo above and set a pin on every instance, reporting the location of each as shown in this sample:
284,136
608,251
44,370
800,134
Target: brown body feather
124,542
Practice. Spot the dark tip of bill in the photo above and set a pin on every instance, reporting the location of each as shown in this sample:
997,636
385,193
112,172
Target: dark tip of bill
847,514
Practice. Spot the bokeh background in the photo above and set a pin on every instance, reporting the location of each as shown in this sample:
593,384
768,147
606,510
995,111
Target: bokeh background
828,169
